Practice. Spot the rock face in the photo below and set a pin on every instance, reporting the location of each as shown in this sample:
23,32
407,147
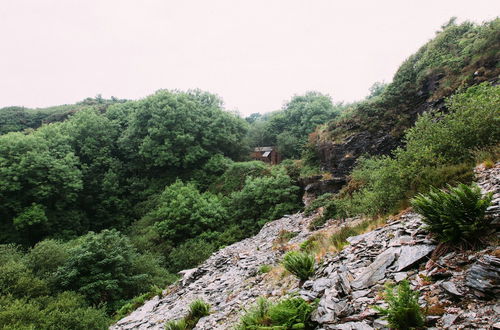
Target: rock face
347,284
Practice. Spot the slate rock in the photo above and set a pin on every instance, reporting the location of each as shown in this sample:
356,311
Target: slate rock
484,276
376,270
451,288
411,254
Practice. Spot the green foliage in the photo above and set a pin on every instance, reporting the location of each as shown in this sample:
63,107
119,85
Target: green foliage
67,310
320,201
105,268
263,269
290,313
46,257
263,199
235,176
197,309
300,264
288,129
439,149
183,212
189,254
403,312
177,131
455,215
31,216
176,325
458,57
339,239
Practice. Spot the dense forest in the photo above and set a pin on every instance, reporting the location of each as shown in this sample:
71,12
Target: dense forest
104,201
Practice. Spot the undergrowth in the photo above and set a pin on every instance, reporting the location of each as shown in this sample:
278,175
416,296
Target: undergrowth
403,312
455,215
197,310
300,264
289,313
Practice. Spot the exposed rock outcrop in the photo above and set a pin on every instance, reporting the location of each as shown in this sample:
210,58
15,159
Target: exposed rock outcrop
459,289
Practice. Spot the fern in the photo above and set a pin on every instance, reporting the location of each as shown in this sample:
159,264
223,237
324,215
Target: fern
197,310
403,312
456,215
300,264
291,313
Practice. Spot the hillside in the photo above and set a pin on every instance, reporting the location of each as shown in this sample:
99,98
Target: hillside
458,57
346,283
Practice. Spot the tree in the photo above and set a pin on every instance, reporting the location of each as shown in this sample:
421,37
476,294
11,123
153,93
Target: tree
105,268
183,212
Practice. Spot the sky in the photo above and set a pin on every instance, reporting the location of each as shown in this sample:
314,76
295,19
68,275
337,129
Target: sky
255,54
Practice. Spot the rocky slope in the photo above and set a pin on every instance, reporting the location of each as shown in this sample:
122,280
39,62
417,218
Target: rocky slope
460,289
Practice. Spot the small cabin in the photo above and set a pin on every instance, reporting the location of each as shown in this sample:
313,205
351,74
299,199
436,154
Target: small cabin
268,155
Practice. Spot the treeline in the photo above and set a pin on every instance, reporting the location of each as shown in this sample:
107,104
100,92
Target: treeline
17,119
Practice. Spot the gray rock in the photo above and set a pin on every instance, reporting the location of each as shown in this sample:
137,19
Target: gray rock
360,293
448,319
484,276
376,271
451,288
398,277
380,324
410,255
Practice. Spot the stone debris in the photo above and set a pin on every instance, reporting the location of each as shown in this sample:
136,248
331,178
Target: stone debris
460,289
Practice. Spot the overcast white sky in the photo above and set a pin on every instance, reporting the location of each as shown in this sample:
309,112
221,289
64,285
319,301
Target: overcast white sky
255,54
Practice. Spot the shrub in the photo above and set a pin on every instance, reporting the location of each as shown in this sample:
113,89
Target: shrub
300,264
176,325
403,311
291,313
106,269
67,310
455,215
263,199
197,309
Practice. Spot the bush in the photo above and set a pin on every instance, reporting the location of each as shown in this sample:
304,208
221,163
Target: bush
291,313
263,199
106,269
441,148
299,264
67,310
176,325
189,254
403,311
197,310
455,215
